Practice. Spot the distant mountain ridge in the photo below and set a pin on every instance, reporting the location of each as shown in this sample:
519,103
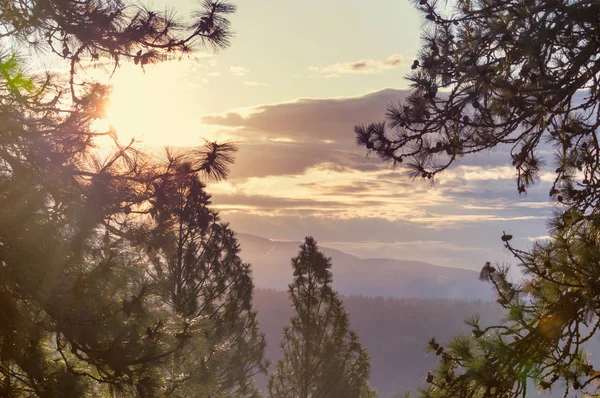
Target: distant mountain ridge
371,277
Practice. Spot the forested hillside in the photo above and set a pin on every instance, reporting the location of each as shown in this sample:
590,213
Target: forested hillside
395,331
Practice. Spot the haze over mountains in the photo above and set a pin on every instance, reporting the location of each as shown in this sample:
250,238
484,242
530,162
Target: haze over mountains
367,277
394,331
395,306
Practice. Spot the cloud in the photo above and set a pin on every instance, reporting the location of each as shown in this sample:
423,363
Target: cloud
282,156
239,70
538,238
214,74
285,194
312,119
322,130
363,66
299,172
336,192
306,147
255,84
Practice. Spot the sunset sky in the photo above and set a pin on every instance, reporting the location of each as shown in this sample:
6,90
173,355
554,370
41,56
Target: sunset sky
297,78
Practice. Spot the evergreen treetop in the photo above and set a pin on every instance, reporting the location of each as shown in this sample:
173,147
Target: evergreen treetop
322,358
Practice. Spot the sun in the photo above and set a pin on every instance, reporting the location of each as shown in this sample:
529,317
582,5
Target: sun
155,107
133,109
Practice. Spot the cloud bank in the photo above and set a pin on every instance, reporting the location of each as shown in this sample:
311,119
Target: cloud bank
298,160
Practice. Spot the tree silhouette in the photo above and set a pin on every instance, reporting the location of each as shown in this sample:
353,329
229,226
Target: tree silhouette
321,357
97,31
552,314
496,72
202,279
81,311
522,74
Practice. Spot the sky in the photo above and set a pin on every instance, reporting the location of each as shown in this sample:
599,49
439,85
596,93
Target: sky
297,78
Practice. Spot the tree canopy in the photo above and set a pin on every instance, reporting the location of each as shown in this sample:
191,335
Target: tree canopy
493,73
85,307
522,76
201,278
552,315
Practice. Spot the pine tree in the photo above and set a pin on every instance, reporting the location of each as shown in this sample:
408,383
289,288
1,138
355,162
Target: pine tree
525,74
322,358
494,72
552,313
203,280
81,312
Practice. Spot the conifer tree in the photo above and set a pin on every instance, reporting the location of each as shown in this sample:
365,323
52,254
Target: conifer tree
521,75
492,73
322,358
81,312
552,314
203,280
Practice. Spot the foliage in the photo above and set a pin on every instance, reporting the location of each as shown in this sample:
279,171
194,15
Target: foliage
112,31
493,73
82,312
321,357
393,330
496,73
553,315
203,280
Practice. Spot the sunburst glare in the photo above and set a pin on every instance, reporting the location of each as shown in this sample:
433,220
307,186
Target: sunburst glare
154,107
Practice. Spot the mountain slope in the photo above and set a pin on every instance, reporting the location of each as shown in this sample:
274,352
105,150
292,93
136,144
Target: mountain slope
394,331
368,277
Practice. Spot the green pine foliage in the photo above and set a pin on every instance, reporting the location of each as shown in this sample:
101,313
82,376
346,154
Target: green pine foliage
202,279
552,314
322,358
494,72
83,308
521,75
